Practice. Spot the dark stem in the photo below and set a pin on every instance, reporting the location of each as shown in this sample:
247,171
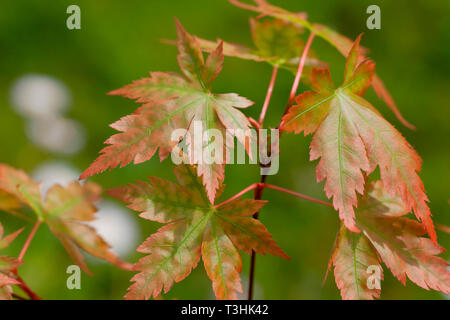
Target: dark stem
26,289
258,196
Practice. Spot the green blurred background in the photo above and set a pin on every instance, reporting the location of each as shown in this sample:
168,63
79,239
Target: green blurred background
120,41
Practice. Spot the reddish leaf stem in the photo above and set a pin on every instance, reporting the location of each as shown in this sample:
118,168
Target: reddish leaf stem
261,186
28,241
297,194
254,122
23,285
301,65
243,5
268,95
237,195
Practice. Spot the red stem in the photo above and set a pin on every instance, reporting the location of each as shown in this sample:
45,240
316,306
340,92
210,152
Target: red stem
237,195
243,5
23,285
28,241
26,289
301,65
260,186
298,195
268,95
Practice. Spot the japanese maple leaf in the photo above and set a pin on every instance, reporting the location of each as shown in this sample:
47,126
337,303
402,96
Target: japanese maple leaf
390,238
172,101
65,210
7,266
340,42
194,228
277,42
351,137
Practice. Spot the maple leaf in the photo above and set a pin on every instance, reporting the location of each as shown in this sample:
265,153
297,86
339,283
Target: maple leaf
351,137
277,42
194,229
65,210
390,238
170,102
352,256
7,265
340,42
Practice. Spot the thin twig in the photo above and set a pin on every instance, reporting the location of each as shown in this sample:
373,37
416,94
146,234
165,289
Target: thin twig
297,194
254,122
237,195
268,95
301,65
243,5
261,186
28,241
22,284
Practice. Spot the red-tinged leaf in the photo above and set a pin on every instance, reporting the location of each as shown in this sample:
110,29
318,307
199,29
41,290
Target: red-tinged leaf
176,102
399,243
386,237
65,210
247,233
196,228
19,185
222,262
355,260
340,42
7,281
351,137
7,266
6,241
384,95
190,58
6,293
213,66
277,42
8,202
141,135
